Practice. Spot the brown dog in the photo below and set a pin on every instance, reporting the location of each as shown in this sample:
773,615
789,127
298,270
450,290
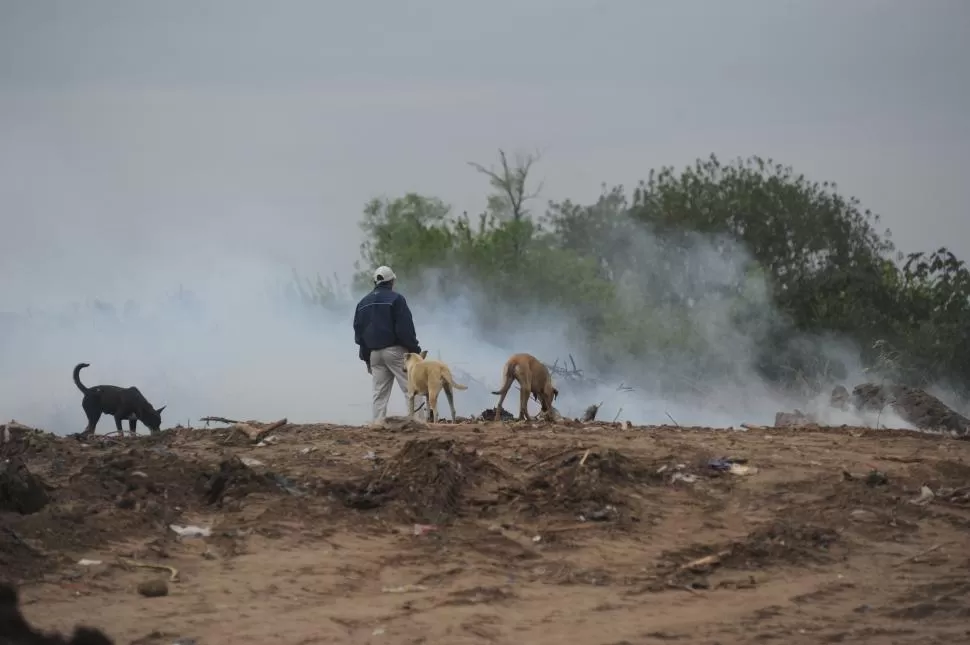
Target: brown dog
429,378
533,379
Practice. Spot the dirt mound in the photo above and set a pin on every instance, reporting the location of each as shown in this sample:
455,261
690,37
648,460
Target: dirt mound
20,490
592,483
235,480
913,405
112,491
773,545
426,480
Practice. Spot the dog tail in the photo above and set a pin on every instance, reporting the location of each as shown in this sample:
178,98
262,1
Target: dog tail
77,377
508,377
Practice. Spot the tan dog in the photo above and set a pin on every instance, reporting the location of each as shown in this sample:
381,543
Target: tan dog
429,378
533,379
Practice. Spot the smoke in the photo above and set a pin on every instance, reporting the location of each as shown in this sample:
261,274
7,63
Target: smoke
238,342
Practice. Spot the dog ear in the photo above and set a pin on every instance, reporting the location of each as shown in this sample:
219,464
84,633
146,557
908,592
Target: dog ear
159,410
424,354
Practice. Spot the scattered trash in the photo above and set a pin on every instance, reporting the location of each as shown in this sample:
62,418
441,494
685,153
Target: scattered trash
926,496
153,588
404,589
191,531
371,456
537,538
84,562
876,478
590,413
424,529
249,461
268,441
732,465
139,473
863,515
378,632
600,515
681,477
307,451
287,485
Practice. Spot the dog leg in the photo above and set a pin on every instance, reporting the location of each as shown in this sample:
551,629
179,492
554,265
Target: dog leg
93,412
523,403
501,399
433,391
451,401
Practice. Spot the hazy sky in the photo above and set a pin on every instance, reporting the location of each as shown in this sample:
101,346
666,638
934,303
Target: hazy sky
146,142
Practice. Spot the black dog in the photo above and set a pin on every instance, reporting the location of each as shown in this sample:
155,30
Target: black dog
120,402
14,630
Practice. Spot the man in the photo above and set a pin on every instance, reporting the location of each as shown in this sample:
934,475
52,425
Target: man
384,331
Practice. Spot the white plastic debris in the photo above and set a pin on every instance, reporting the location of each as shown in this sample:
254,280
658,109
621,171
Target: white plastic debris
84,562
249,461
926,496
191,531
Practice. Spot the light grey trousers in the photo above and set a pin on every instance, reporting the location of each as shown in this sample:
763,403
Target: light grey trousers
387,366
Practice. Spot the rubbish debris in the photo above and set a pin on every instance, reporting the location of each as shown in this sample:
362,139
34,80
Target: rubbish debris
191,531
600,515
173,573
249,461
370,456
268,441
590,414
796,419
288,485
488,414
307,451
926,496
424,529
84,562
681,477
404,589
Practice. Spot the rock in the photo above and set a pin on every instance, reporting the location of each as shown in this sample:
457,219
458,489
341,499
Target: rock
153,588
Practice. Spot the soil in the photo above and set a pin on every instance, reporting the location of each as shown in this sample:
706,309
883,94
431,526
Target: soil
496,533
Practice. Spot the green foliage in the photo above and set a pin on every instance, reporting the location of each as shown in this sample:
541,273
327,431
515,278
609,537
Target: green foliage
694,269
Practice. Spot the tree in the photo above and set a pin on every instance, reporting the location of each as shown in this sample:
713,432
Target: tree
689,266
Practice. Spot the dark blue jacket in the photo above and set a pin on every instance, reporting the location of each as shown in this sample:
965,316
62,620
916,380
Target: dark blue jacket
383,319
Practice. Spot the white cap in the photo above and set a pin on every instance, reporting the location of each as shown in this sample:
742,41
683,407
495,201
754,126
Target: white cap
383,274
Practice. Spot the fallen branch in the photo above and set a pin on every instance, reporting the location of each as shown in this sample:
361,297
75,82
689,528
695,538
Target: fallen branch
206,420
706,561
173,572
551,457
751,426
919,555
256,433
573,527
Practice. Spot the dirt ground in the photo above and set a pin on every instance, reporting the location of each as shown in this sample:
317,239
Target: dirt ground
500,533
